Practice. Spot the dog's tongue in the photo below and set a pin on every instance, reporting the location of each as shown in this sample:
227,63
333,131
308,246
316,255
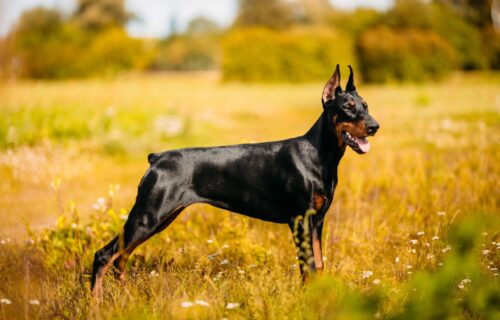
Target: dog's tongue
363,144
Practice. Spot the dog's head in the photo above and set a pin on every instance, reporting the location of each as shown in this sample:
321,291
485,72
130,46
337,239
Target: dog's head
348,114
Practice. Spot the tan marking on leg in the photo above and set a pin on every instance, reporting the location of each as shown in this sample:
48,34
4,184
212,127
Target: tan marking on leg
316,245
318,201
97,292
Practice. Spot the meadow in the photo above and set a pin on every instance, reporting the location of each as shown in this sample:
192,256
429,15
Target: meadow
413,232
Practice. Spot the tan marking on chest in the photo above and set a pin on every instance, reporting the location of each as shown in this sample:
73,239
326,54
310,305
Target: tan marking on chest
318,201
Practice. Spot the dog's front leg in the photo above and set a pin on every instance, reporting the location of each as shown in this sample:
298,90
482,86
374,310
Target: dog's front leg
316,231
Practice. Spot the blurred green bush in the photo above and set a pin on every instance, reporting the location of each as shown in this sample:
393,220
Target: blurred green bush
258,54
386,54
186,53
114,51
43,45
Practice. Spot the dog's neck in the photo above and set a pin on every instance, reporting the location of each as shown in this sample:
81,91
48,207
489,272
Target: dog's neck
324,137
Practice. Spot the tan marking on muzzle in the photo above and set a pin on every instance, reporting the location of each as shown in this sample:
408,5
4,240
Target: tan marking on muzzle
356,128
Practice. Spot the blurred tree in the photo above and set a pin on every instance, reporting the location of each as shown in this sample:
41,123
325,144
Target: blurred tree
273,14
202,26
464,37
97,15
310,11
477,12
403,55
33,43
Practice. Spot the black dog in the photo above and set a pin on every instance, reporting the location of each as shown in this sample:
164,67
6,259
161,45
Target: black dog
273,181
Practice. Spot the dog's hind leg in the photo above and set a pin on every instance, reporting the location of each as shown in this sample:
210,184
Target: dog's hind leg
121,260
138,228
155,208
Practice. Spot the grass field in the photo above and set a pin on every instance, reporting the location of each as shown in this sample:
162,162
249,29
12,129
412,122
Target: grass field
403,238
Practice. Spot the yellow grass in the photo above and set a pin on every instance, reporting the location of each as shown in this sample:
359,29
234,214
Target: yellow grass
434,161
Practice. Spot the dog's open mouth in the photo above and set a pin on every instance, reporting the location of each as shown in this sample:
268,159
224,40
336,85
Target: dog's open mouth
360,145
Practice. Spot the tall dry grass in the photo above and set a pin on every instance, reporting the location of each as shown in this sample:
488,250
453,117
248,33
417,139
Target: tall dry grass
388,248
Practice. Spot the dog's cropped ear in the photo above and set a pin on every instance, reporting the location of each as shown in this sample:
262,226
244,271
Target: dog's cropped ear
350,83
332,87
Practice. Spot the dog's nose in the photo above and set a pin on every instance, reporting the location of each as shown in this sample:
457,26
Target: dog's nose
372,128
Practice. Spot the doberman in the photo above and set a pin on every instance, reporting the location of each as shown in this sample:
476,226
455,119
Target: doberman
272,181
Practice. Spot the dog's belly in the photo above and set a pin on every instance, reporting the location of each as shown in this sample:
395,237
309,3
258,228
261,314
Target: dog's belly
260,214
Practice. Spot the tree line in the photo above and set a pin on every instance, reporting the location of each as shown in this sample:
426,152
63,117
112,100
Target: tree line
270,40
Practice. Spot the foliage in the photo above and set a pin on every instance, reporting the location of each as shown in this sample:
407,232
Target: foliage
44,45
263,13
265,55
187,52
98,15
476,12
36,44
113,51
404,55
449,26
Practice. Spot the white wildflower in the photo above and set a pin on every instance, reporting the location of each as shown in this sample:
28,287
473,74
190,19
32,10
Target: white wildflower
446,249
169,125
186,304
100,204
34,302
430,256
232,305
441,213
462,283
5,301
485,252
409,266
366,274
396,260
74,225
435,238
212,256
413,241
376,281
153,273
209,241
225,246
224,262
420,233
202,303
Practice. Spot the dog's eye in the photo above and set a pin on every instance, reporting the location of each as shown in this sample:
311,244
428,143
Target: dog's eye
350,110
